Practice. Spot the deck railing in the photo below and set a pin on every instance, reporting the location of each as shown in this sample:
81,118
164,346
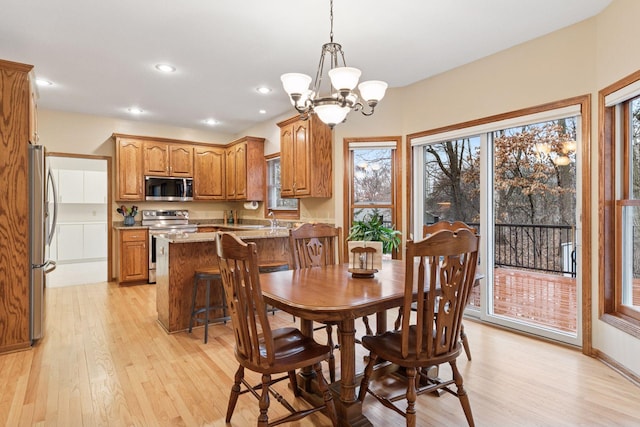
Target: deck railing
549,248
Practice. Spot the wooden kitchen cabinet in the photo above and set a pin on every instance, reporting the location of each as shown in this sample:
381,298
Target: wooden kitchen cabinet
234,171
209,173
134,255
129,170
244,166
17,128
164,159
305,158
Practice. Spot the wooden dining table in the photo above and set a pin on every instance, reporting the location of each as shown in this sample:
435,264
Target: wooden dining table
331,294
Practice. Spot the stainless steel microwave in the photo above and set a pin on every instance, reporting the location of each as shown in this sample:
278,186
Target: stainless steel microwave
167,188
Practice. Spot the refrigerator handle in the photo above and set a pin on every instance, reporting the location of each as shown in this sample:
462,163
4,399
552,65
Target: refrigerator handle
54,221
49,267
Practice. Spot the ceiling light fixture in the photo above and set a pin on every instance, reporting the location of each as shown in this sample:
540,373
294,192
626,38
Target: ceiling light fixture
332,107
210,122
135,110
43,82
165,68
263,90
262,111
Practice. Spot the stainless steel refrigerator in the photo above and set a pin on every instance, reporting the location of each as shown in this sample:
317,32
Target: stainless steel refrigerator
42,220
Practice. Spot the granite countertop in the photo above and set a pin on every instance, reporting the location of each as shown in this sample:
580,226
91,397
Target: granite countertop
119,225
210,237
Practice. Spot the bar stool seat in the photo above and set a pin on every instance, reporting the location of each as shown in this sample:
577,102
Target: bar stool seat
207,275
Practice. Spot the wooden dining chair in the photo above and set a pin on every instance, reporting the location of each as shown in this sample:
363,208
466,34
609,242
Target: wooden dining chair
428,230
432,337
453,226
317,245
258,347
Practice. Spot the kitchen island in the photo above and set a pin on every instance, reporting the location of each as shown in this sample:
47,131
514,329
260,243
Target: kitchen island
179,255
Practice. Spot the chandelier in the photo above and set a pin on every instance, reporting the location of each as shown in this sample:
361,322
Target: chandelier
332,105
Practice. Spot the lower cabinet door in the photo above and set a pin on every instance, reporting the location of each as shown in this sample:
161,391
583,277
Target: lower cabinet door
95,241
70,242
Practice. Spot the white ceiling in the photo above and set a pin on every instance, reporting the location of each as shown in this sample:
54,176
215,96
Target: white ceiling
100,54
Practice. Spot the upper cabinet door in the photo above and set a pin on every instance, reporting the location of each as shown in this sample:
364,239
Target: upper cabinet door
129,171
301,154
95,187
305,158
156,158
230,175
209,173
286,158
241,171
181,160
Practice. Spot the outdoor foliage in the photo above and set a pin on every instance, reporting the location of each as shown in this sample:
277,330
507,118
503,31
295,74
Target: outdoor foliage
529,188
533,191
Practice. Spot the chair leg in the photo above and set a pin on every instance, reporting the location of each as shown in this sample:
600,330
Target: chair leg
294,384
465,342
396,324
263,418
193,303
332,358
326,394
411,397
235,392
368,330
364,383
206,312
462,394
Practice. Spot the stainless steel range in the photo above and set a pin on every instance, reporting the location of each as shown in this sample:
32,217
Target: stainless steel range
164,222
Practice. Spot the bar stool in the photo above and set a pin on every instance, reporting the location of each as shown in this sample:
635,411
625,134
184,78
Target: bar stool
207,275
269,267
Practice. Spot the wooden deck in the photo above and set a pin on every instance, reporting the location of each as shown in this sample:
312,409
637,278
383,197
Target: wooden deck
543,299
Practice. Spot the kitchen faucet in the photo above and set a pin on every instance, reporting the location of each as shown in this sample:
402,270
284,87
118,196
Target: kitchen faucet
273,220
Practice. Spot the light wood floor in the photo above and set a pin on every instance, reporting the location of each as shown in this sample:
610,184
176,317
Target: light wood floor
106,362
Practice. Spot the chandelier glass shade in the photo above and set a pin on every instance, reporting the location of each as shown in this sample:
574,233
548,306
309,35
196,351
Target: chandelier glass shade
333,102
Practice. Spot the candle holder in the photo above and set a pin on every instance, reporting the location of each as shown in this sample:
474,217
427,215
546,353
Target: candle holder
364,259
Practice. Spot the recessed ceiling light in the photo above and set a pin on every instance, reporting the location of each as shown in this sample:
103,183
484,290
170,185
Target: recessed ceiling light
43,82
165,68
210,122
262,111
263,90
135,110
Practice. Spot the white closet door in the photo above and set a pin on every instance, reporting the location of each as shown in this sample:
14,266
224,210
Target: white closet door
70,186
70,242
95,240
95,187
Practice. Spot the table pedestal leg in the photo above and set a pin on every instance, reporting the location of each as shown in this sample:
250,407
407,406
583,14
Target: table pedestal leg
348,407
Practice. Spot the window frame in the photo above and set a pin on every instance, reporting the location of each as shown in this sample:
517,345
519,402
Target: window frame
277,213
614,193
395,184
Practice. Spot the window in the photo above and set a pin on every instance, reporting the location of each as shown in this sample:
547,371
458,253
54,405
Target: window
371,184
620,204
281,208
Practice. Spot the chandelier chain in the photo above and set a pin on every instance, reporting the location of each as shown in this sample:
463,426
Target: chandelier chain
331,19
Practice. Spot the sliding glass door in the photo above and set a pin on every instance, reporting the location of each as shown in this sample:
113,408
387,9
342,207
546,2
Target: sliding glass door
515,180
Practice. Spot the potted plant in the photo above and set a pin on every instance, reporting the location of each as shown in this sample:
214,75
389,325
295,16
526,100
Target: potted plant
371,228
